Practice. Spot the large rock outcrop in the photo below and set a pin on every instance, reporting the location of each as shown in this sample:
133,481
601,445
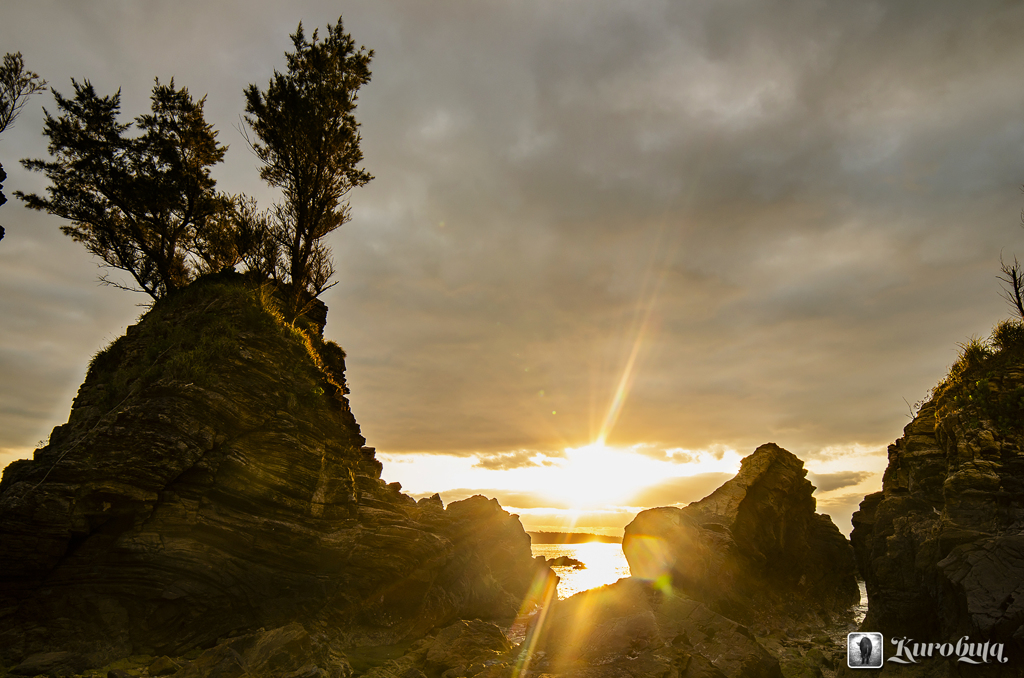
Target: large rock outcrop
211,480
941,547
752,549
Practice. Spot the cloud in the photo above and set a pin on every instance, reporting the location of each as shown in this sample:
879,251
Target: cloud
812,196
502,461
682,490
826,482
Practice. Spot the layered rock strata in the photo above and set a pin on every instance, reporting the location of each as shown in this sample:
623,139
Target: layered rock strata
211,480
752,549
941,547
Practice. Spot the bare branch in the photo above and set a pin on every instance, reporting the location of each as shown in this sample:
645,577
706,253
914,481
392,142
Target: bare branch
1012,279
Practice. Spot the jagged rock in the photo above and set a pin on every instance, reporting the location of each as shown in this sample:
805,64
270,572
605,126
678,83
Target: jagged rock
288,651
941,547
211,480
465,648
633,628
753,547
465,644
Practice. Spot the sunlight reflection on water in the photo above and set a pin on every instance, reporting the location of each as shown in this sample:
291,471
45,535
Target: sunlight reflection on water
605,565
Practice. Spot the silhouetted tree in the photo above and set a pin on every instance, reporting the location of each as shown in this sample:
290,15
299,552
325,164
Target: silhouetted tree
308,141
16,86
144,204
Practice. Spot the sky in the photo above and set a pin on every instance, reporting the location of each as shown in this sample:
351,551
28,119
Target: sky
610,248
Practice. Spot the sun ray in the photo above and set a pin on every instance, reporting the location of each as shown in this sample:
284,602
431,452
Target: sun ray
626,380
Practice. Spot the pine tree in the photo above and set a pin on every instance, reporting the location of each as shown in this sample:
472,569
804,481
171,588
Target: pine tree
16,86
308,142
144,204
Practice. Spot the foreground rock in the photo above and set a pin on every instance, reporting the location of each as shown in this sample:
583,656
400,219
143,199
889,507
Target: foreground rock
627,629
465,648
211,481
286,651
632,628
753,549
51,664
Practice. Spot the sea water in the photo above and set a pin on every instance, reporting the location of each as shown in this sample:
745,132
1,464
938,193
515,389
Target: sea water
605,564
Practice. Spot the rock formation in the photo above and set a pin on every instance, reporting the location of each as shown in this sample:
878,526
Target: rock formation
211,481
632,628
941,547
752,549
566,561
714,586
626,629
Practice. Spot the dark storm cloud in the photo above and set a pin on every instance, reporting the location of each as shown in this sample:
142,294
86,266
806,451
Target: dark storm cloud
811,196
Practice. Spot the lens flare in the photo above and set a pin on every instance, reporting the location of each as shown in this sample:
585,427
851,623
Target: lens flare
654,278
533,613
626,380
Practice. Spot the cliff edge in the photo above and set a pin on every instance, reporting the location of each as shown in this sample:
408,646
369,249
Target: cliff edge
941,547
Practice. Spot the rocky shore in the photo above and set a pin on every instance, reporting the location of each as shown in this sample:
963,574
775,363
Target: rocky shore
211,510
711,595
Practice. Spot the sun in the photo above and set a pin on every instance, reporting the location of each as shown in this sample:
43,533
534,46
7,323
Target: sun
596,476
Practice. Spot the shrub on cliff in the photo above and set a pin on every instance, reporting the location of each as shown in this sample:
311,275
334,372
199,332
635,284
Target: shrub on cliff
972,383
202,326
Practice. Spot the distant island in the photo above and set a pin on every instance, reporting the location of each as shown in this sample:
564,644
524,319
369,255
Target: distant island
571,538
